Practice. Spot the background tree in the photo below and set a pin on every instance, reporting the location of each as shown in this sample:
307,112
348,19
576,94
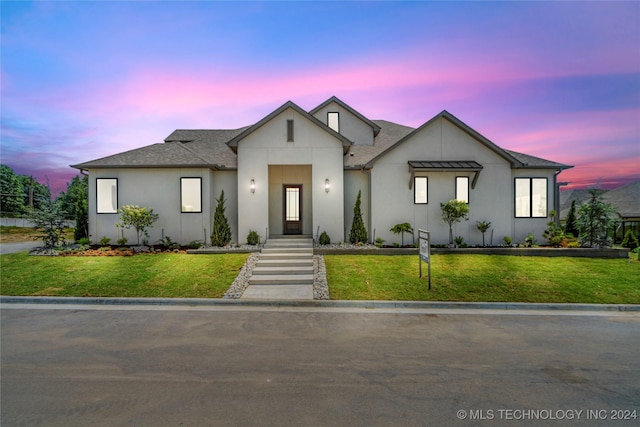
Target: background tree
570,221
358,233
82,220
483,226
221,233
594,219
11,192
405,227
77,188
137,217
453,212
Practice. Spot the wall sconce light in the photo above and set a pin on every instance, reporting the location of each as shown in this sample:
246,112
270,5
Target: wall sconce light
327,187
252,185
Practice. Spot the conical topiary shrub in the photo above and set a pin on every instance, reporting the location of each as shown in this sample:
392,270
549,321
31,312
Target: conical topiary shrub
358,233
221,233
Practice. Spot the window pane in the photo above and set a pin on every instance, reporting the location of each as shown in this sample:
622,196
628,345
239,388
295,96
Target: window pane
539,198
420,190
289,130
462,188
107,195
191,193
333,121
523,198
293,205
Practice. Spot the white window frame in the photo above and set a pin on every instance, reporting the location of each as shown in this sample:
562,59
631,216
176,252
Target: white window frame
106,195
190,200
418,187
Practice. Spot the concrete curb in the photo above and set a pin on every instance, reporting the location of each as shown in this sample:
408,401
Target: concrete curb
321,303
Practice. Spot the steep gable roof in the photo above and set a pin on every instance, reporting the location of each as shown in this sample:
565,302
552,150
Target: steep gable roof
233,143
374,126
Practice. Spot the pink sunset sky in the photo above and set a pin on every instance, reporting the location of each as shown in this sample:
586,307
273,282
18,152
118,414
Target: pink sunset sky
557,80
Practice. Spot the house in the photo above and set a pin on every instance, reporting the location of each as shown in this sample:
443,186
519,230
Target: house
299,172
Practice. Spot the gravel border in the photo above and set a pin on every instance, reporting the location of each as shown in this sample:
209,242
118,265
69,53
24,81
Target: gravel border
241,282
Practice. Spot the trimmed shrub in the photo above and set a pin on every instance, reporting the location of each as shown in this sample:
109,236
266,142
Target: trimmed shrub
324,239
253,238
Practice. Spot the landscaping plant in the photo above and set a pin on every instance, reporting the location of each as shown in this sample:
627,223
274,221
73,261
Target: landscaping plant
553,233
137,217
49,220
253,238
594,219
405,227
570,221
358,233
221,233
483,226
453,212
324,239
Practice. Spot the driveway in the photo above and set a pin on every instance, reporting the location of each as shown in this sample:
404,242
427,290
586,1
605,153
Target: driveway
170,366
11,248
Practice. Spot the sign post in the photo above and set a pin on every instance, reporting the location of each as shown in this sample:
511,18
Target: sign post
425,252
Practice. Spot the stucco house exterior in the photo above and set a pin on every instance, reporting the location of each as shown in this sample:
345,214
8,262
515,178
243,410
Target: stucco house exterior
299,172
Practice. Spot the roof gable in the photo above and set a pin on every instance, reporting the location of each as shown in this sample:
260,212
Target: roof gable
333,99
233,143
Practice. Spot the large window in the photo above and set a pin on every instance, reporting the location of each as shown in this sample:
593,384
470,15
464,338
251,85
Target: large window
191,194
462,188
420,195
107,195
531,197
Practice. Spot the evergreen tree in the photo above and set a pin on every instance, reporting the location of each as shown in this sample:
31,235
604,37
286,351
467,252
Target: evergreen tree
358,233
82,220
594,219
11,192
570,221
221,233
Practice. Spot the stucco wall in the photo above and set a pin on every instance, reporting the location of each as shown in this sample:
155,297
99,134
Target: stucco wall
351,126
153,188
311,146
393,202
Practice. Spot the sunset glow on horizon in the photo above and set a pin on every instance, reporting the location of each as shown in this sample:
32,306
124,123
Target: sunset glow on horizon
557,80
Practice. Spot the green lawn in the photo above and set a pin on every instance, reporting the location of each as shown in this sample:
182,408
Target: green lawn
485,278
162,275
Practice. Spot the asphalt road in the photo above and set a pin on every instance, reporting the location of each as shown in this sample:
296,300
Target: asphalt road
244,366
11,248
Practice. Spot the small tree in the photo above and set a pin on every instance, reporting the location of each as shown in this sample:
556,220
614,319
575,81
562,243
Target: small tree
82,220
405,227
453,212
594,219
483,226
553,233
358,233
49,219
137,217
570,221
221,233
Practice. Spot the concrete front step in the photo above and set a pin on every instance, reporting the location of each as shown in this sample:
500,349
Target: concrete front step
303,262
278,292
288,249
281,279
258,270
284,256
276,245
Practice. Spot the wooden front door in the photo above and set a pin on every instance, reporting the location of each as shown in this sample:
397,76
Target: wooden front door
292,195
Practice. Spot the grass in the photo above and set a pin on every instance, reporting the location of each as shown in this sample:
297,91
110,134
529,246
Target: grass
161,275
485,278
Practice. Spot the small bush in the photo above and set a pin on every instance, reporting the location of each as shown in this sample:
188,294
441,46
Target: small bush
630,240
460,242
168,243
122,241
105,241
195,244
573,244
253,238
507,240
379,242
530,241
324,239
84,241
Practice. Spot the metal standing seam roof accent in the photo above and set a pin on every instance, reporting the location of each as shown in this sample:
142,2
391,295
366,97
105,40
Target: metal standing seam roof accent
469,165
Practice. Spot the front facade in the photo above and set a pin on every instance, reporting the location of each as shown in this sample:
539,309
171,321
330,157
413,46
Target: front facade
299,172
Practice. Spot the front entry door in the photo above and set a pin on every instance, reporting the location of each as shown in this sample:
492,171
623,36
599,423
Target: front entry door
292,195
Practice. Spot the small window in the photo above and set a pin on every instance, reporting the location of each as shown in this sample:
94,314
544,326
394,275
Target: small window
462,188
420,190
191,194
107,195
289,130
531,197
333,121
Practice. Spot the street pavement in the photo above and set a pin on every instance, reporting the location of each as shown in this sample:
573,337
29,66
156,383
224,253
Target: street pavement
11,248
312,366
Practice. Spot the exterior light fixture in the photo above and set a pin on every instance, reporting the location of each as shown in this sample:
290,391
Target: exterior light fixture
252,185
327,187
